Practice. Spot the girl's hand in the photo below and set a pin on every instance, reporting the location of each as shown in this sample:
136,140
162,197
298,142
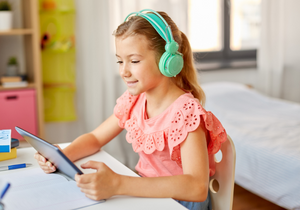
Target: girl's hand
100,185
46,165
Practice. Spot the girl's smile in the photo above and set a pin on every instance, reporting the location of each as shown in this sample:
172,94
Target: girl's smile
131,83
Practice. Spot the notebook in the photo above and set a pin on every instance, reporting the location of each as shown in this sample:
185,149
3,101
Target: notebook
33,189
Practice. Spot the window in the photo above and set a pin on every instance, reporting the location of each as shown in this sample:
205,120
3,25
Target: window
224,33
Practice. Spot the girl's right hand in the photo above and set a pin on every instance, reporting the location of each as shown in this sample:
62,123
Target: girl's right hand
46,165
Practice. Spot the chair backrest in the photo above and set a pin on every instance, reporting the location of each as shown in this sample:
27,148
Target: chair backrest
221,184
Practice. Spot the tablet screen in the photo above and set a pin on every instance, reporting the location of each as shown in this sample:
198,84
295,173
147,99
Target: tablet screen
52,153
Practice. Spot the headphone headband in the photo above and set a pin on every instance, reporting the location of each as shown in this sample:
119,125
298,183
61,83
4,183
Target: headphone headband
157,21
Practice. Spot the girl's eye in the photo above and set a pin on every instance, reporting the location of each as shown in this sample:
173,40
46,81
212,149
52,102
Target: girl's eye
119,62
135,61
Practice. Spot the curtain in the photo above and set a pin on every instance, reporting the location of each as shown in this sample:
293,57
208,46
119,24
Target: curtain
98,81
278,55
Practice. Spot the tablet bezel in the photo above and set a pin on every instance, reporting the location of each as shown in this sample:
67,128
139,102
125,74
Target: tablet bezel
62,163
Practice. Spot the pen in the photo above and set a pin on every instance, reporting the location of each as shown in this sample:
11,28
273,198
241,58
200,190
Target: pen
22,165
4,191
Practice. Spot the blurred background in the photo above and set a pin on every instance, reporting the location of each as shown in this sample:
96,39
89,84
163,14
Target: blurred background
253,42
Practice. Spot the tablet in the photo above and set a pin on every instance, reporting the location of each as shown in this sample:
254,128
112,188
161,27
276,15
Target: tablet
52,153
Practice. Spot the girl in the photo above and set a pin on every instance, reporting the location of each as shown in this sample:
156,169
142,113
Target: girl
162,113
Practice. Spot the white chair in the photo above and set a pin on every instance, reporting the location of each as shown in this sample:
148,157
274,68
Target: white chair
221,184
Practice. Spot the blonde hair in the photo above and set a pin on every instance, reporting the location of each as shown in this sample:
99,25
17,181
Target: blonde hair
187,78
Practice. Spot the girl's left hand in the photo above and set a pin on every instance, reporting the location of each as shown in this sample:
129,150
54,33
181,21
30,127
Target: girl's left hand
100,185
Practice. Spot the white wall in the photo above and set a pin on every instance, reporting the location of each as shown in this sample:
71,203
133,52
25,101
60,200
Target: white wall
278,56
291,83
291,75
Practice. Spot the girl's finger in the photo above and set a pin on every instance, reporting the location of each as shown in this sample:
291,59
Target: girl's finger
43,166
84,186
87,191
48,171
84,178
38,157
41,163
46,167
93,197
48,163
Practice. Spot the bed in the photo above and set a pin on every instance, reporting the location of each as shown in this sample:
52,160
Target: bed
266,134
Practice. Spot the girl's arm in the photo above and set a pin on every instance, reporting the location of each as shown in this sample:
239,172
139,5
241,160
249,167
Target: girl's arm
85,144
92,142
191,186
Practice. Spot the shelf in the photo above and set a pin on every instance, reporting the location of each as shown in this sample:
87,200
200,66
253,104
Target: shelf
16,32
29,45
30,85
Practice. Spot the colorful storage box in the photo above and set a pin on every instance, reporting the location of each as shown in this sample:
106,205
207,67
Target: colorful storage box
18,108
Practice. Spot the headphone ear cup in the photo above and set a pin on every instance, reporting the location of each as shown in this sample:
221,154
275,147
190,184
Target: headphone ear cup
170,64
162,64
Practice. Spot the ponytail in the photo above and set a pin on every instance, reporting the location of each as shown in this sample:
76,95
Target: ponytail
187,79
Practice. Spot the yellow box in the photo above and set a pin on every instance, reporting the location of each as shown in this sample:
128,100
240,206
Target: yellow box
59,104
8,155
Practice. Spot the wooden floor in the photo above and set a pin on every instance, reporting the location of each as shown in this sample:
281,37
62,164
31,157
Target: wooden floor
245,200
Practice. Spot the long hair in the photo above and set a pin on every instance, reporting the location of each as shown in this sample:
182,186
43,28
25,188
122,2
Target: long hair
187,78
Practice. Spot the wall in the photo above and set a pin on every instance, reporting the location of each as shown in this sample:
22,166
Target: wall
291,74
291,84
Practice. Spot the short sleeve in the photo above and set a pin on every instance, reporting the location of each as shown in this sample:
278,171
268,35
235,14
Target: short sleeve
216,131
187,119
124,106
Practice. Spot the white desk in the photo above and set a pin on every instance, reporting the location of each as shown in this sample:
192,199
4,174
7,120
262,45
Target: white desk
25,155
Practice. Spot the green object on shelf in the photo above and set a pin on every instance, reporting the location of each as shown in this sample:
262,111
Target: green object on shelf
12,61
59,104
5,6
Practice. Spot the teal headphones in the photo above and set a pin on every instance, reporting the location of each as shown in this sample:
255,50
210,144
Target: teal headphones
171,62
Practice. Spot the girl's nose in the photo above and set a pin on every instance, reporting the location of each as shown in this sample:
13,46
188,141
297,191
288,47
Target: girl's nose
124,71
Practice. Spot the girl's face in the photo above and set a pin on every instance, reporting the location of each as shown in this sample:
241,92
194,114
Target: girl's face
137,64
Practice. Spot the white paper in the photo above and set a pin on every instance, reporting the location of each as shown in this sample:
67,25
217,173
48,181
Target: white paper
5,140
33,189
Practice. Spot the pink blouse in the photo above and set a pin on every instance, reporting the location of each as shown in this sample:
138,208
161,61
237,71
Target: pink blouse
158,139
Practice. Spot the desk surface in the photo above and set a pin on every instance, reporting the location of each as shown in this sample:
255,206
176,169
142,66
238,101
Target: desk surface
25,155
